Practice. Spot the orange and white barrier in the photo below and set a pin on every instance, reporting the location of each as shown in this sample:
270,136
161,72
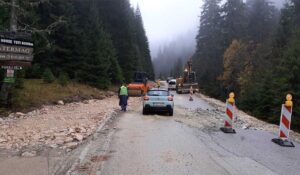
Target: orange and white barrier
230,114
285,123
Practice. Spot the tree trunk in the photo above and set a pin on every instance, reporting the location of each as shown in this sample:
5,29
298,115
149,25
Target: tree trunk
13,16
7,87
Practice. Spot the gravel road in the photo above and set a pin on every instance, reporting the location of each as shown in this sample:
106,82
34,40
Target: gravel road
188,143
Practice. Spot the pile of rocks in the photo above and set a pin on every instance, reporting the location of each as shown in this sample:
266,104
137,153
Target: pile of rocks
62,126
244,120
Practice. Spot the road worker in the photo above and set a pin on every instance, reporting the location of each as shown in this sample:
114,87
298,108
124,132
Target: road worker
158,83
123,96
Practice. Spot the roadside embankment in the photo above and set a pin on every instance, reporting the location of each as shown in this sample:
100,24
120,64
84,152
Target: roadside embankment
62,126
212,118
35,93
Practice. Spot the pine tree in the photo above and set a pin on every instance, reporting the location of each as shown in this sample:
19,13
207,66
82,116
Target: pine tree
119,20
263,19
208,56
98,57
4,18
178,68
143,44
296,5
234,21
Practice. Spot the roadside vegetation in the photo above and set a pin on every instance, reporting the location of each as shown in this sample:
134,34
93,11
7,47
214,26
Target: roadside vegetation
78,45
35,93
253,49
94,42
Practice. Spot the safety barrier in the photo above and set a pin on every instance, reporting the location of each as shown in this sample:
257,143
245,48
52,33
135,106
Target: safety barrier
285,124
230,115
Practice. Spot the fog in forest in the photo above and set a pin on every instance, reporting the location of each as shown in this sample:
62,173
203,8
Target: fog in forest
172,27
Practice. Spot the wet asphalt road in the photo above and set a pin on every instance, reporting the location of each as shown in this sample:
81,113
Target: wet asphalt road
158,145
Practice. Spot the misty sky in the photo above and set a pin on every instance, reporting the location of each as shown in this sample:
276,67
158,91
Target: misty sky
168,19
165,20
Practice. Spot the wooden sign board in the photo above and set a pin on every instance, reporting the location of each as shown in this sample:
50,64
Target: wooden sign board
15,52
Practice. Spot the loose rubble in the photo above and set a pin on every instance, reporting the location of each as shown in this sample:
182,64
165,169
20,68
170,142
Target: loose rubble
60,102
242,120
62,126
29,154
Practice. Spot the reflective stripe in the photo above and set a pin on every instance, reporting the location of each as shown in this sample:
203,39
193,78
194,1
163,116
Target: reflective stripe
228,120
285,122
228,125
229,115
286,113
285,130
123,91
230,107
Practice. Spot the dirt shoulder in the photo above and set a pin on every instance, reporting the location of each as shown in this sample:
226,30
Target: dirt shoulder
62,126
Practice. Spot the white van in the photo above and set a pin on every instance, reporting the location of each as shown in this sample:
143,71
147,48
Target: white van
172,84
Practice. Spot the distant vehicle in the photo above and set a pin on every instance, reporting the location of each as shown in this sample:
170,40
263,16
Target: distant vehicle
183,84
172,84
169,78
158,100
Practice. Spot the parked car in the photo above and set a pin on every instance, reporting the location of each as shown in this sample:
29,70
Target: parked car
172,84
158,100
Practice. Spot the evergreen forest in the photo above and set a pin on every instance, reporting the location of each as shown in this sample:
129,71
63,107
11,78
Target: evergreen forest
95,42
253,49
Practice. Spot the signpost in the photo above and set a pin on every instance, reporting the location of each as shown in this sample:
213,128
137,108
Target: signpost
16,52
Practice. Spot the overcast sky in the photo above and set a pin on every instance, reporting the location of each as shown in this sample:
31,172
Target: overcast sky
167,19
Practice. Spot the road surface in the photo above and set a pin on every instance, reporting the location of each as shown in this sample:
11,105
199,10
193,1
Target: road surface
161,145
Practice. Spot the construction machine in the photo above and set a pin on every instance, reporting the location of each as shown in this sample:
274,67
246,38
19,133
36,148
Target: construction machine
139,86
188,80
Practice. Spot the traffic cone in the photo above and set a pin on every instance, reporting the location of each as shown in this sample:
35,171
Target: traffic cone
191,93
228,126
191,98
285,123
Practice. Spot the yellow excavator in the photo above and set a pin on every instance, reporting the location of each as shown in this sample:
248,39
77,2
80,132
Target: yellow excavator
188,80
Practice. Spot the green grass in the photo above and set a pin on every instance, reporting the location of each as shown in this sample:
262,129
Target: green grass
37,93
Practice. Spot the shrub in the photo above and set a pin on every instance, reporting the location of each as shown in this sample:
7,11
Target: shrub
63,79
48,76
20,74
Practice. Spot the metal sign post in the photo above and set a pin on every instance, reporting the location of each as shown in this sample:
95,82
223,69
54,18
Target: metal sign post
6,86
